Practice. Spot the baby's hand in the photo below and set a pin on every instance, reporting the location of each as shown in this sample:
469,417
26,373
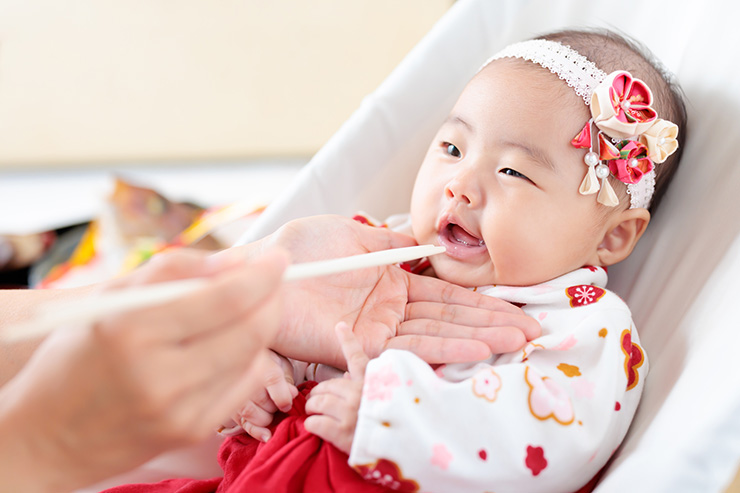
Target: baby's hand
333,404
277,392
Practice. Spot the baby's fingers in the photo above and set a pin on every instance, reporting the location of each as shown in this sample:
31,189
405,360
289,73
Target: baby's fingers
279,386
252,412
332,420
324,427
352,349
258,432
282,394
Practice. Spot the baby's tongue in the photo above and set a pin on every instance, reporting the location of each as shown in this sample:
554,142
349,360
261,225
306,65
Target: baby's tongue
462,236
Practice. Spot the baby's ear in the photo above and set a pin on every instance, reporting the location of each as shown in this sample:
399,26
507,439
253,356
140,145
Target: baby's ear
624,230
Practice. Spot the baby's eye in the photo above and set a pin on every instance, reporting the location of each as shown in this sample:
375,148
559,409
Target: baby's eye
514,173
452,149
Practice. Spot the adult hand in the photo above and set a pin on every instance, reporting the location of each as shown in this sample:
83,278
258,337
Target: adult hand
95,401
387,307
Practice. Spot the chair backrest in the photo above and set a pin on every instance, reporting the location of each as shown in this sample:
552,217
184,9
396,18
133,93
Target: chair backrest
681,281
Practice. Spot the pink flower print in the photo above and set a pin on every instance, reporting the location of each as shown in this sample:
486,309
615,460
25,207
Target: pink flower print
583,388
486,384
547,399
621,105
633,163
441,457
566,343
584,294
535,460
379,384
530,348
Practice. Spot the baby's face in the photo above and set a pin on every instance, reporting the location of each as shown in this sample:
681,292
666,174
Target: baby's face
499,185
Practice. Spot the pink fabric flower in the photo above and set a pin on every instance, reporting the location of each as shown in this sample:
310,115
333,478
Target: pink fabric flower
621,105
547,399
380,384
634,163
486,384
441,456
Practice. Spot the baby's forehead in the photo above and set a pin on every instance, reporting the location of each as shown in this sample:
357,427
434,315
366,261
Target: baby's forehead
513,93
526,76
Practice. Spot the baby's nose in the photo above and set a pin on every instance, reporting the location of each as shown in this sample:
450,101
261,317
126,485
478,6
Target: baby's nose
463,188
454,192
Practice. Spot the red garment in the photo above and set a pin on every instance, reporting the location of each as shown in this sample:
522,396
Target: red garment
293,460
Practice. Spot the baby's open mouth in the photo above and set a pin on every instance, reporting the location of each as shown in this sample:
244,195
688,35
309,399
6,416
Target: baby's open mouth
459,242
458,234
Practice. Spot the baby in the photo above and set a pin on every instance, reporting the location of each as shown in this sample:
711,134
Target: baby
534,188
545,173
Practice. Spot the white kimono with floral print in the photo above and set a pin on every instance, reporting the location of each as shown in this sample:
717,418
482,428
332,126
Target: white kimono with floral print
545,418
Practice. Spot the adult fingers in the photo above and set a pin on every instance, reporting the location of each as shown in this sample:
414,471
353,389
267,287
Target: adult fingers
225,353
352,350
223,299
424,288
195,410
182,263
228,395
499,339
214,376
441,350
462,315
374,239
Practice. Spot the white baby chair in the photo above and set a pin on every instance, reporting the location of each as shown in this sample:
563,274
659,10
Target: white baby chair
681,282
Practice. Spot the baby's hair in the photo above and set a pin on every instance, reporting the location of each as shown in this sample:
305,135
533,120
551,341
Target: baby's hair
611,51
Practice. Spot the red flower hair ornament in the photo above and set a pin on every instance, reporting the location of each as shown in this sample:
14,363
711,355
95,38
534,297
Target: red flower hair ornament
631,138
624,136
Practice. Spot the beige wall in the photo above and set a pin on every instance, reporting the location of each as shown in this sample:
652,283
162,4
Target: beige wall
97,81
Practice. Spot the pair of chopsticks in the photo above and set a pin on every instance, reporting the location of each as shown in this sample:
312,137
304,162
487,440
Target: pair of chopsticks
88,311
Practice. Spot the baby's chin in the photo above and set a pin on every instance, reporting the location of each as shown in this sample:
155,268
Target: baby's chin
463,275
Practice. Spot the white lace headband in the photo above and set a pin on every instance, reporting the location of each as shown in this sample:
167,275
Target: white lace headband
625,137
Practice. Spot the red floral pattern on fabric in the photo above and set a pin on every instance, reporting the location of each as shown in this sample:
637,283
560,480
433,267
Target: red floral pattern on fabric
416,266
362,219
535,460
634,357
584,294
386,473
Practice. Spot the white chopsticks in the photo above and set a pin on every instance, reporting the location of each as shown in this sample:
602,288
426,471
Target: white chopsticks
87,311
